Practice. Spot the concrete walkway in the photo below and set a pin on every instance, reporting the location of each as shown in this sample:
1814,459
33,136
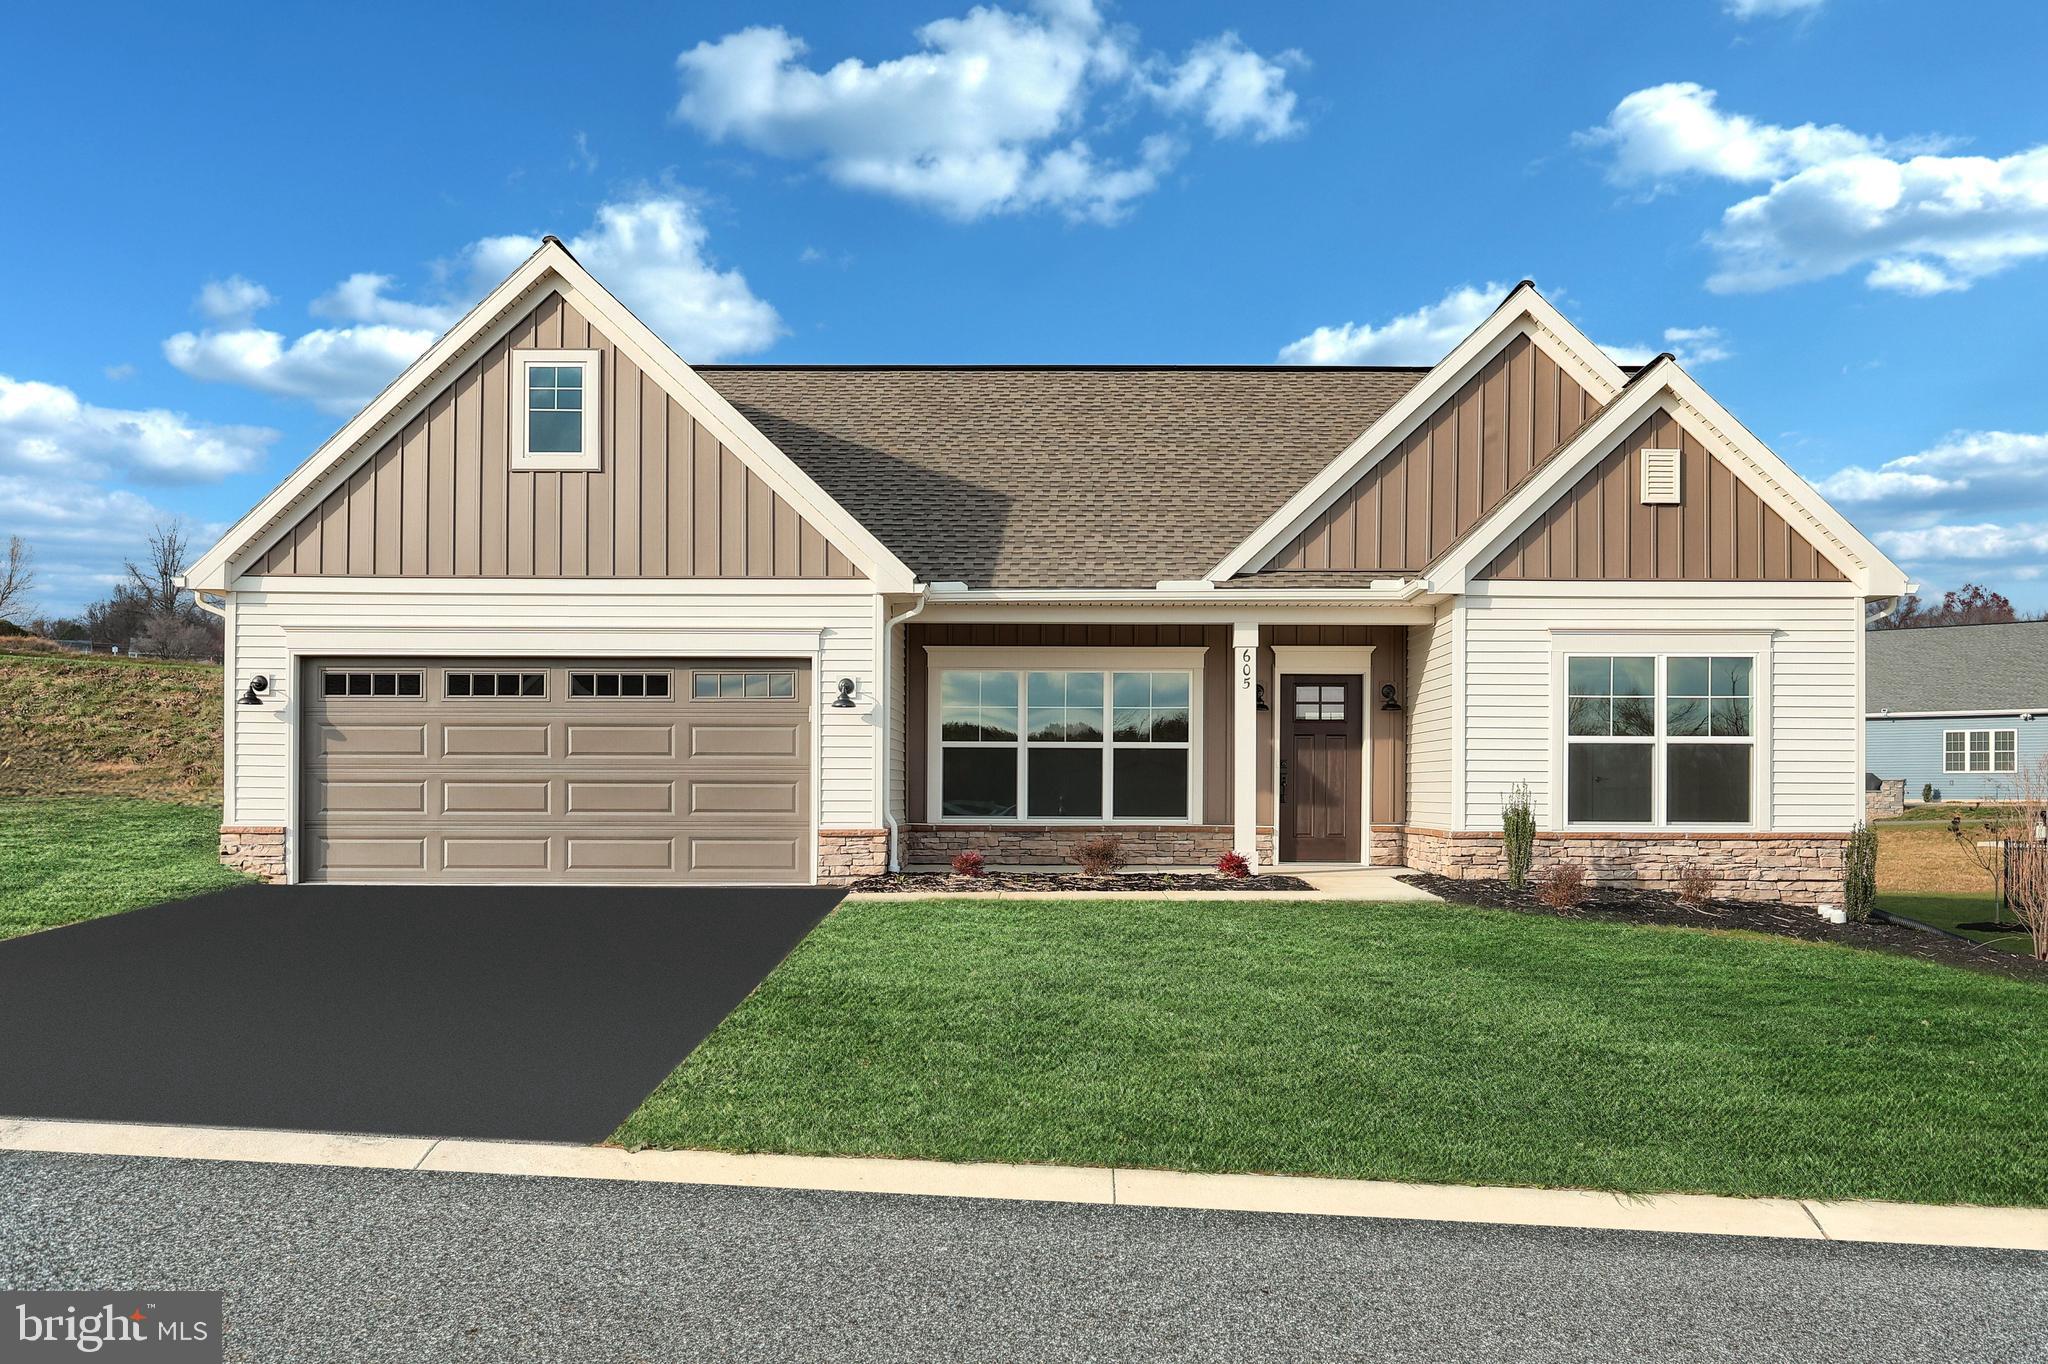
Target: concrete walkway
1783,1218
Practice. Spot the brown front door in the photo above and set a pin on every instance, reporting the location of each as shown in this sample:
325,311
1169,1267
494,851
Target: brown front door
1321,768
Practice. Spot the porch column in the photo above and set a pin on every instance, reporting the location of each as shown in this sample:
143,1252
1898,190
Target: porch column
1244,740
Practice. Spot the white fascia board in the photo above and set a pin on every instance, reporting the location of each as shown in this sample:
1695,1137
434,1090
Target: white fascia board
1956,714
1391,590
254,533
1666,385
281,585
1524,312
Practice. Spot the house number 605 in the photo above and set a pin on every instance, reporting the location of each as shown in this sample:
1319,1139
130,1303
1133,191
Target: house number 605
1244,669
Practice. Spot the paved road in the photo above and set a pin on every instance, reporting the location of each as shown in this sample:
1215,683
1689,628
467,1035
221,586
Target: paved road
323,1264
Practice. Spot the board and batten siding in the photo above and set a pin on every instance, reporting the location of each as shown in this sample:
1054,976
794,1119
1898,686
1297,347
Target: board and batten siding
1457,466
1719,530
439,499
1816,651
262,737
1911,748
1432,656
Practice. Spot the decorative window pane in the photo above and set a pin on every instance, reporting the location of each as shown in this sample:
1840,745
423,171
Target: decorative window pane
1952,751
397,685
2004,750
1066,708
1707,698
1980,750
1151,783
979,783
1707,784
1151,708
1612,698
978,707
634,686
1314,701
554,416
1610,784
459,685
1066,782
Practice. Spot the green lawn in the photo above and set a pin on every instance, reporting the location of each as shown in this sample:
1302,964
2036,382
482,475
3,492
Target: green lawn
1419,1042
1955,909
65,860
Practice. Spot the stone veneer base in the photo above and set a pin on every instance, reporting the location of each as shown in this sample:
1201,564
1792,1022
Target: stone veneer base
849,855
257,849
1042,845
1791,868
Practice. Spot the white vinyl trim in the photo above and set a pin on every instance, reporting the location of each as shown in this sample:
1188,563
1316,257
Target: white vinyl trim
589,457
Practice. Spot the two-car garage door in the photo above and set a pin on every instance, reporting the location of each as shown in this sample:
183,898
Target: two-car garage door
683,770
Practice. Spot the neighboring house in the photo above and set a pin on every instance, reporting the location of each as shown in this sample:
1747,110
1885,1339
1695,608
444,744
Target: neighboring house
1959,708
558,606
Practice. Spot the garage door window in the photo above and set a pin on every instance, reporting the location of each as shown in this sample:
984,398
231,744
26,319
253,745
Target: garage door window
337,682
736,686
495,684
621,686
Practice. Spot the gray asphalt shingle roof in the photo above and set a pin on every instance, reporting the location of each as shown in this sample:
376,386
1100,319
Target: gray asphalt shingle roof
1958,668
1045,477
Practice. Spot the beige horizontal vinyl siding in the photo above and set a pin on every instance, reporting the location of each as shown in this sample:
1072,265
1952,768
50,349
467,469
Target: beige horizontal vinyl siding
1815,783
1431,658
262,744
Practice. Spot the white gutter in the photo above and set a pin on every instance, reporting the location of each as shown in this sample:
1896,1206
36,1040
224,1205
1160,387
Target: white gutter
888,656
2023,712
1392,590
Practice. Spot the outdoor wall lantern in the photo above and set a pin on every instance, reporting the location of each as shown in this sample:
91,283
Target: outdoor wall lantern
845,698
258,685
1387,701
1262,697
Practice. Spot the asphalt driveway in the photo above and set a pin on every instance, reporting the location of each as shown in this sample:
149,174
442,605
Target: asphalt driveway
536,1013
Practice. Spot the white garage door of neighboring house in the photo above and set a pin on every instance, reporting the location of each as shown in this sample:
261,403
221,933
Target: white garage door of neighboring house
683,770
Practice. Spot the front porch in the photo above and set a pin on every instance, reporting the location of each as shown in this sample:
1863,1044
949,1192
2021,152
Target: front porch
1285,739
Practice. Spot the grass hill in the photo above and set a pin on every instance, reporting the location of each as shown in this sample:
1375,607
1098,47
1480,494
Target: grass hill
101,725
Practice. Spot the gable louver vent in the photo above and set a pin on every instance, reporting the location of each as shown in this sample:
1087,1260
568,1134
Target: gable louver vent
1660,476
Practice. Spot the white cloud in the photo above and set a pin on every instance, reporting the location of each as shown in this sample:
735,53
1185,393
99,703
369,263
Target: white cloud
1933,510
1673,130
362,298
1918,220
1422,337
81,533
1690,346
232,300
120,373
47,430
1237,92
990,115
649,251
1770,9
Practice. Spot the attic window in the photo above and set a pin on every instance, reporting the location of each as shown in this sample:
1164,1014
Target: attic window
1660,476
554,409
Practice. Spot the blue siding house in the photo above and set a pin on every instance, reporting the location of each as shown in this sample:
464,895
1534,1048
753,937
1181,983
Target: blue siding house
1962,708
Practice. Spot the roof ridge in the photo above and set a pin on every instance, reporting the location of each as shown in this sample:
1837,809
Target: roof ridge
1082,367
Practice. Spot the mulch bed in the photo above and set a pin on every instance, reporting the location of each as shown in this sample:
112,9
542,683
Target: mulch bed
1130,882
1618,904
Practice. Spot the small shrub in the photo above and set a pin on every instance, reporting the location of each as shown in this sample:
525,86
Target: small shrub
969,863
1518,833
1562,885
1695,887
1859,872
1235,865
1102,855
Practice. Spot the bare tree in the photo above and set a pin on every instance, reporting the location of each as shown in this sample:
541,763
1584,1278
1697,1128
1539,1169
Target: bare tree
156,580
2012,845
18,579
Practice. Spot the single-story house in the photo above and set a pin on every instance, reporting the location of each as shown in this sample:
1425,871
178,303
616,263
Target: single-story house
1958,710
558,606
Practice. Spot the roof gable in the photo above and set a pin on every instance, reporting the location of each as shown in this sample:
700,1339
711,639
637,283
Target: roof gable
1523,315
1664,385
433,383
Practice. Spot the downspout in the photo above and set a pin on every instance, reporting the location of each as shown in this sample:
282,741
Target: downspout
889,657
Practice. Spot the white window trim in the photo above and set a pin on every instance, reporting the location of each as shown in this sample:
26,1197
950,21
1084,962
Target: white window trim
1991,739
1663,647
590,458
941,658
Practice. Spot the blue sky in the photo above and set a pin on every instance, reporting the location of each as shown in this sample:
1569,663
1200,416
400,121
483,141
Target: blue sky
226,230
